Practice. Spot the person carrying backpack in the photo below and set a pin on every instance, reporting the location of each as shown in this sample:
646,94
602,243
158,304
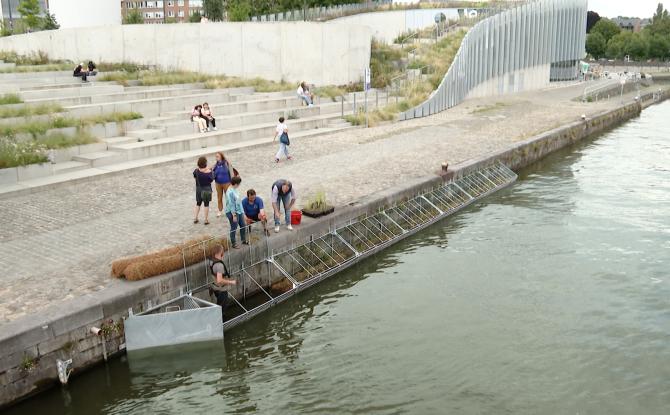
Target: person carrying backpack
281,132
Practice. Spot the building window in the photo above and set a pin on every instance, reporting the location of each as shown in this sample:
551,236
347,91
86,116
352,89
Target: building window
180,3
159,15
148,15
159,4
170,13
151,4
181,13
170,3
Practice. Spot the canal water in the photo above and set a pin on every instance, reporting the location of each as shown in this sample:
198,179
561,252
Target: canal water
549,297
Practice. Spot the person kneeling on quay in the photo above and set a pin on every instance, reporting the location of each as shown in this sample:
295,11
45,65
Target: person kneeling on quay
283,193
254,211
221,278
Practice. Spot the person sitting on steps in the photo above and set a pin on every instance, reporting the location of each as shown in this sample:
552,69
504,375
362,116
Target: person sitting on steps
91,69
304,94
79,72
197,118
221,278
206,113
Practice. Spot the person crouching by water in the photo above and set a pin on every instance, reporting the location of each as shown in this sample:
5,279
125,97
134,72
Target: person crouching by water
235,212
254,211
221,278
203,189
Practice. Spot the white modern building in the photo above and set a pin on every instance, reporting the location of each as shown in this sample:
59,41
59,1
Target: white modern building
72,13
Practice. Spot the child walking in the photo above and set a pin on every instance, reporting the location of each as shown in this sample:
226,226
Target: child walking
281,132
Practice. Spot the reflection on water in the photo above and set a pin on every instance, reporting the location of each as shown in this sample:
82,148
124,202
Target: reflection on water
548,297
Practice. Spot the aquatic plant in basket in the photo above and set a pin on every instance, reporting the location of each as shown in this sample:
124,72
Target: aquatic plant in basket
317,206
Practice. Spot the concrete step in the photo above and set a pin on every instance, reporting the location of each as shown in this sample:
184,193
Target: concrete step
175,144
101,158
70,166
56,94
146,134
111,141
112,96
152,107
183,125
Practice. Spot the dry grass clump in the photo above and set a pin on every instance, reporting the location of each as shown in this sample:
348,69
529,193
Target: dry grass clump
166,260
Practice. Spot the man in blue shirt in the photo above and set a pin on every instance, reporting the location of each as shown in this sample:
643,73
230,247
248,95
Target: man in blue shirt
254,210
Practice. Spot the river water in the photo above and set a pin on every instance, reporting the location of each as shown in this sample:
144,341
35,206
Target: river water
549,297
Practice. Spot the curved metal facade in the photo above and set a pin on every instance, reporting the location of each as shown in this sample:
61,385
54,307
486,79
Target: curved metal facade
522,48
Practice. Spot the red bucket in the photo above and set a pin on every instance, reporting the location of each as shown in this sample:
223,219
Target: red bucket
296,217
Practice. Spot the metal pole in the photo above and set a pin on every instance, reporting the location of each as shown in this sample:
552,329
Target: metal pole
366,105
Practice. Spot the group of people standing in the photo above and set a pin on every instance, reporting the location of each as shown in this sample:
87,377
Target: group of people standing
240,212
203,118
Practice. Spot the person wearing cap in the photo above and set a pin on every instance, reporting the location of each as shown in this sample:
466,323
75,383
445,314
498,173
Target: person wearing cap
79,72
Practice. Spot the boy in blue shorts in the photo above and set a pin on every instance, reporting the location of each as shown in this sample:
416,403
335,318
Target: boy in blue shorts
254,210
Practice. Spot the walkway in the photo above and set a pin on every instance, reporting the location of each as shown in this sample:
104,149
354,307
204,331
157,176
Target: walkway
58,244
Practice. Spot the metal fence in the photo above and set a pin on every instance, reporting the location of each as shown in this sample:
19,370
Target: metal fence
321,13
500,47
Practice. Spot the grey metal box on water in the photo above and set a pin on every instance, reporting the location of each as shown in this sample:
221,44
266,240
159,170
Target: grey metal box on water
186,319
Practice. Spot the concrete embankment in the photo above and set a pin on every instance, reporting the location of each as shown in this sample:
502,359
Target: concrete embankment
32,345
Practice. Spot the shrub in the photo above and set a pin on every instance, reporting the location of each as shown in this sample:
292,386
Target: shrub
10,99
13,153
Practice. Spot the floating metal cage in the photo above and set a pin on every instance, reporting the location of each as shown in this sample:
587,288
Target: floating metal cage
185,319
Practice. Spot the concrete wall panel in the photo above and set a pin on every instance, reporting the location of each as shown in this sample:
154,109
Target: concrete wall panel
319,53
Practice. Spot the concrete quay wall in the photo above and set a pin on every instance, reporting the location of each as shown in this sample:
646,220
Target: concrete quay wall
32,345
291,51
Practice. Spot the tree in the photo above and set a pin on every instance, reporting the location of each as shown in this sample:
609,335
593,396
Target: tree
133,17
239,11
660,15
30,13
659,47
49,22
596,45
607,28
213,9
195,17
591,19
660,23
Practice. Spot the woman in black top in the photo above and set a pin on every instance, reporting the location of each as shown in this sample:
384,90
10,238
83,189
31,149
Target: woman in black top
203,188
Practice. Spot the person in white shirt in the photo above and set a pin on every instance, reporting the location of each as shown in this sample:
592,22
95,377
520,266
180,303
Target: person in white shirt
304,94
281,133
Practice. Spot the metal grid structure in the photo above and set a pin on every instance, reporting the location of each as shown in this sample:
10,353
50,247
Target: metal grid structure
286,272
281,274
538,35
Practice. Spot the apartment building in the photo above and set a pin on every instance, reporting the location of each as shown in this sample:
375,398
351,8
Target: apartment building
162,11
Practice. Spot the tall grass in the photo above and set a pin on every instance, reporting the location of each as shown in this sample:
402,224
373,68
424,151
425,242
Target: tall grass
37,128
10,99
13,153
27,111
39,68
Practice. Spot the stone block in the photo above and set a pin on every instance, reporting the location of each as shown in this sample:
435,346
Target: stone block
87,312
14,360
34,171
92,148
99,131
68,131
9,176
